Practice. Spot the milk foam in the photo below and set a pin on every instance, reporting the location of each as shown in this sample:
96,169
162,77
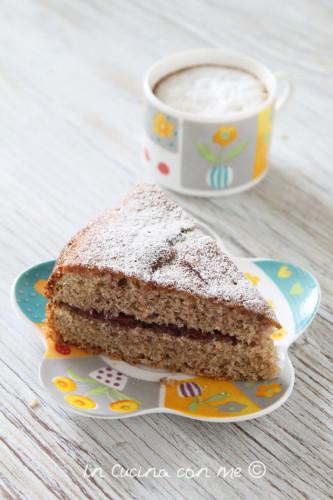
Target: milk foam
210,90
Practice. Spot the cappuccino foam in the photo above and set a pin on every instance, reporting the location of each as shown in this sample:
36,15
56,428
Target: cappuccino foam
210,90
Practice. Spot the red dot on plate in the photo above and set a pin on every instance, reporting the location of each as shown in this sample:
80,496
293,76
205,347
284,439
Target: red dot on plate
163,168
146,153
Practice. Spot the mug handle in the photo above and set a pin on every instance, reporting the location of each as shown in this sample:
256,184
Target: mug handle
286,90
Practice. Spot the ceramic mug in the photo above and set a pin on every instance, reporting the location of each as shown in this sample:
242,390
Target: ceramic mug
203,156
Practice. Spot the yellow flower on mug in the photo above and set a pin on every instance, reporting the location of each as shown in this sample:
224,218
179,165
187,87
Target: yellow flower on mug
81,402
124,405
225,136
268,391
64,384
162,126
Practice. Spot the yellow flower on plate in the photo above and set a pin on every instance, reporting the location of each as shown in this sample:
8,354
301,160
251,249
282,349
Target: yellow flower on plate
279,334
124,405
284,272
39,286
81,402
225,135
64,384
255,279
268,391
162,126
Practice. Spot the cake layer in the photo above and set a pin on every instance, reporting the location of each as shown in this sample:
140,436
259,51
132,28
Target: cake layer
107,293
148,258
127,321
218,357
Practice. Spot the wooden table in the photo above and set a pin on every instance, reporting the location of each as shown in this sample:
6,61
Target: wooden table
70,139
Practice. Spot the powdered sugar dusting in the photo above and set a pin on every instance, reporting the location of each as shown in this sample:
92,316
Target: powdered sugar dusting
150,237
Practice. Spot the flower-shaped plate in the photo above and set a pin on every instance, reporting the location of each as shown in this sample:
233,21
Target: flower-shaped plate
100,387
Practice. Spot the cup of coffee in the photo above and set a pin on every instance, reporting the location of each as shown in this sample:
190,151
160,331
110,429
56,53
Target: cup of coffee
208,121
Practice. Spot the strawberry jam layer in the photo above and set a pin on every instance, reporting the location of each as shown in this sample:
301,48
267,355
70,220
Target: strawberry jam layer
130,322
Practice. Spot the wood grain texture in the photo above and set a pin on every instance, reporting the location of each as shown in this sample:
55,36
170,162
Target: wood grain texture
70,145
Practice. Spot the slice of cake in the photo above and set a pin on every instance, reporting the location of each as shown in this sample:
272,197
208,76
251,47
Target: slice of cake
144,284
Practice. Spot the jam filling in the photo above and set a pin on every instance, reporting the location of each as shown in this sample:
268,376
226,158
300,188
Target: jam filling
127,321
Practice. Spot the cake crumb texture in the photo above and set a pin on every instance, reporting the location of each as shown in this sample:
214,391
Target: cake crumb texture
216,358
143,283
150,238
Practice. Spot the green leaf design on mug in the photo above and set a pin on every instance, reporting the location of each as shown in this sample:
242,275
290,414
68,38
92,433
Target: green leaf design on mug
206,153
235,151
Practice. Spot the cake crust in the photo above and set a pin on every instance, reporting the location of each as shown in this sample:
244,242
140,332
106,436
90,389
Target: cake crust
151,240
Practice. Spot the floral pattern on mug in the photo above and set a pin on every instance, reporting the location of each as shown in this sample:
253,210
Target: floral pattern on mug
162,129
162,126
220,175
225,136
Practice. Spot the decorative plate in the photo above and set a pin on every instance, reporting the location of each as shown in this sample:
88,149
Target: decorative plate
99,387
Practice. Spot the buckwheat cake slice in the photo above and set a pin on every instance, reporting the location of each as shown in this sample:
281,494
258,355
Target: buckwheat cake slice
144,284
